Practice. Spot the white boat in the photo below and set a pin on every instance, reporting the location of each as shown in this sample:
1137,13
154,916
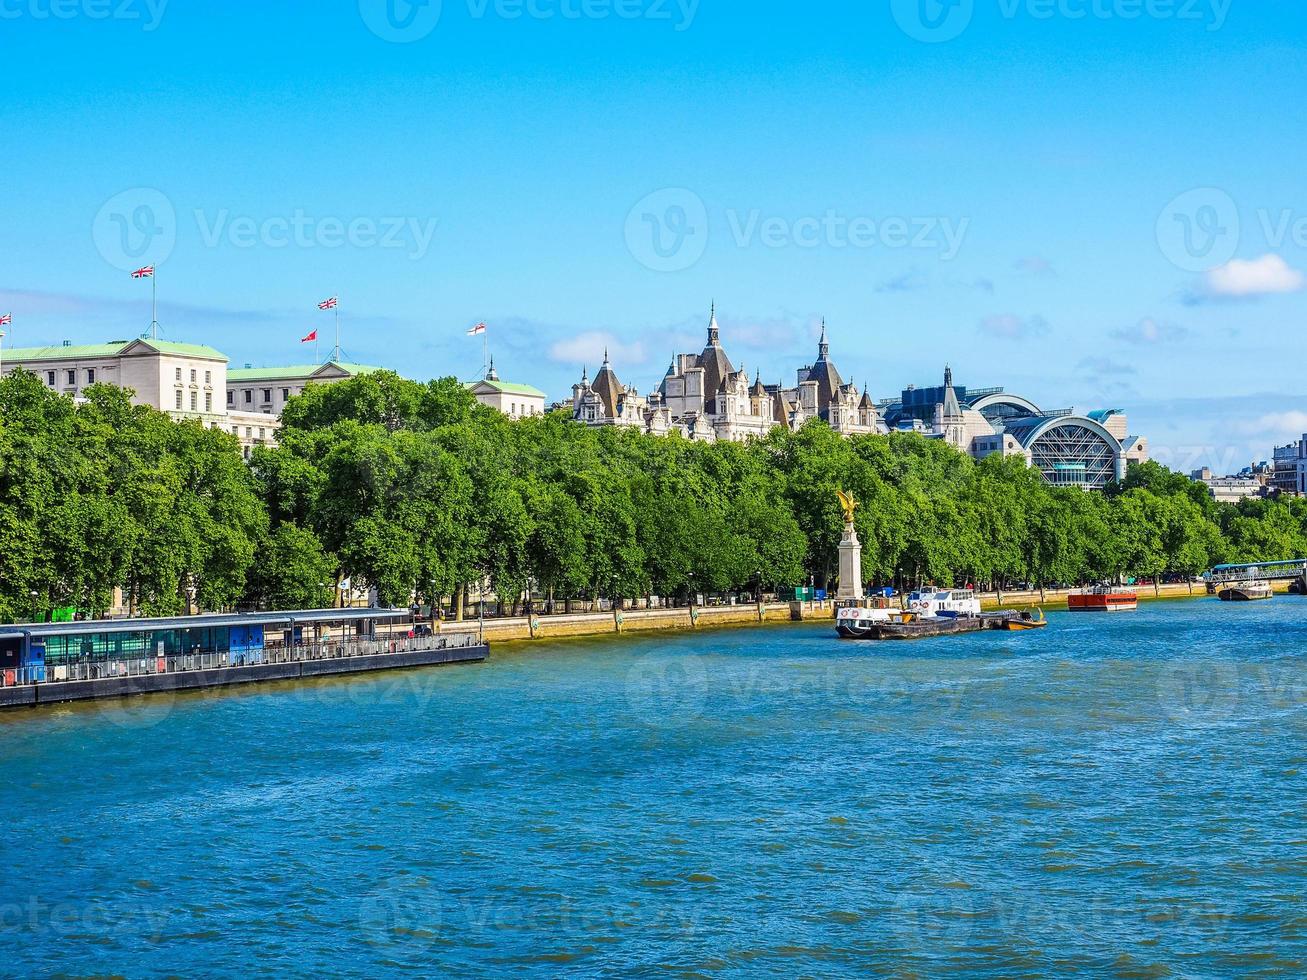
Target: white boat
854,618
926,603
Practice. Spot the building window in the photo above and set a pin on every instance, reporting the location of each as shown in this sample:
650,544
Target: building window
72,377
248,430
249,396
49,378
192,375
179,399
90,376
208,377
285,394
194,399
179,374
231,398
260,432
208,401
267,395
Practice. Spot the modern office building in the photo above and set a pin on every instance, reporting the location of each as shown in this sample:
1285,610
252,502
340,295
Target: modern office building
1069,449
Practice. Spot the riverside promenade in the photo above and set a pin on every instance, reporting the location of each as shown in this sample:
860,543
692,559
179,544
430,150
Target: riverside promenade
597,623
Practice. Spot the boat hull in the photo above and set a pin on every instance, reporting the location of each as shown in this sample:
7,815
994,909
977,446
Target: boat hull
1103,601
1244,593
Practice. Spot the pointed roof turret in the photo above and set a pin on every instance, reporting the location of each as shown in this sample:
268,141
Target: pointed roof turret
490,372
866,399
758,391
952,409
824,373
607,387
716,365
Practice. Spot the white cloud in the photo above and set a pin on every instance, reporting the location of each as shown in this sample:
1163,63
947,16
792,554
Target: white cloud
588,349
1280,426
1104,366
1150,331
905,282
1035,265
1009,326
1244,279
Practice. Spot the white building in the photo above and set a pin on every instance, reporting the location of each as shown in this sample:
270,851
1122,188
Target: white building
266,390
1228,489
514,400
188,381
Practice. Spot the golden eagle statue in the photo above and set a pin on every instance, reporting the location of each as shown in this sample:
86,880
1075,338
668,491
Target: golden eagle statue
847,503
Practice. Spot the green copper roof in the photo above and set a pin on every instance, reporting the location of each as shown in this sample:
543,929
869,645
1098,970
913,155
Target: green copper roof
288,371
60,352
508,388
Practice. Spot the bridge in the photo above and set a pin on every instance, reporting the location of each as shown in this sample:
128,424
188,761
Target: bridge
1270,570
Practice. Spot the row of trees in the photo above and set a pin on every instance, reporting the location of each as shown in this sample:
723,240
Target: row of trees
421,492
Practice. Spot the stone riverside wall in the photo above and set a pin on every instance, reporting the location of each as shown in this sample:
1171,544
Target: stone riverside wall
706,617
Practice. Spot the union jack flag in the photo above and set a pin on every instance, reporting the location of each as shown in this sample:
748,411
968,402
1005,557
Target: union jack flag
6,319
144,272
328,304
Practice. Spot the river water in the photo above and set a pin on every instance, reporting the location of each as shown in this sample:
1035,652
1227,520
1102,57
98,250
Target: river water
1114,796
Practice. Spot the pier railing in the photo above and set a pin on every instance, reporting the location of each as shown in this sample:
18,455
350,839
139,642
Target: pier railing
95,669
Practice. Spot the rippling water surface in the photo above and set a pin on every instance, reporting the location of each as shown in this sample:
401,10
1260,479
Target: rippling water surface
1115,796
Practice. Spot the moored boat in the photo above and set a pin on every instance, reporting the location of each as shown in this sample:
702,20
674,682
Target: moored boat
1245,590
1030,619
944,602
855,619
1103,598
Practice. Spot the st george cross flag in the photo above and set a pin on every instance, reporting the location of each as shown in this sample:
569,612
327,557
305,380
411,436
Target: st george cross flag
6,319
479,328
328,304
311,336
144,272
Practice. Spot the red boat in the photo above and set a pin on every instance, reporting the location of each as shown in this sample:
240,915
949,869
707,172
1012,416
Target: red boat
1103,598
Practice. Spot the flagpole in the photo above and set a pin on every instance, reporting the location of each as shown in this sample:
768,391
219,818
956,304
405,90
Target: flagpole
154,304
336,356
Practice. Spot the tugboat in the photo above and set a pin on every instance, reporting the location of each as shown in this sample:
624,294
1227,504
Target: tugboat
1103,598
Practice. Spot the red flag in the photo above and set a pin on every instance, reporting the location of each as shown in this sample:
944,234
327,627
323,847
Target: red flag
6,319
312,336
328,304
144,272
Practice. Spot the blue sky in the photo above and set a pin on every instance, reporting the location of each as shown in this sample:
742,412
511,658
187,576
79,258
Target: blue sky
1091,202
